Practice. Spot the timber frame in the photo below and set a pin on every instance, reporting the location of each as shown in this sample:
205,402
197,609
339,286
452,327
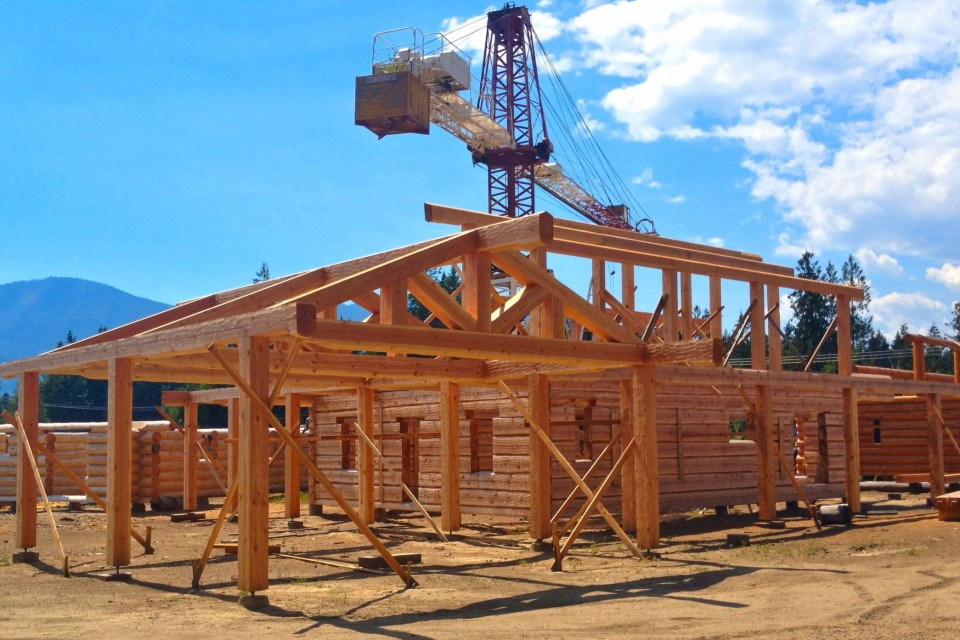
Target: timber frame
279,343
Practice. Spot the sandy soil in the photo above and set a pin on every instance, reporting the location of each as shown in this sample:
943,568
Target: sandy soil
893,574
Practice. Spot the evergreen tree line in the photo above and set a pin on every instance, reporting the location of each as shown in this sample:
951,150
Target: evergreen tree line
813,313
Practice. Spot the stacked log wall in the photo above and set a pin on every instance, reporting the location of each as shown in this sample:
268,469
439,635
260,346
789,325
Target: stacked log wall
894,437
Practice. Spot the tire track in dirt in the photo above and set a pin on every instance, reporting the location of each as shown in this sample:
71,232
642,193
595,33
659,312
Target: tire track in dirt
874,614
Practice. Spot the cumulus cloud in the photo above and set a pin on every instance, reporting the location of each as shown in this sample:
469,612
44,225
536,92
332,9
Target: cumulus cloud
947,275
846,111
676,200
870,260
645,177
914,309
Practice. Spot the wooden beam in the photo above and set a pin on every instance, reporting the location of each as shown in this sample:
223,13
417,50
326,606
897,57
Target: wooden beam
393,302
758,333
716,307
253,481
686,306
190,456
440,303
527,272
628,288
119,460
278,321
823,340
540,486
28,404
670,331
643,411
476,288
851,447
450,456
518,307
291,465
935,426
365,463
773,336
628,474
469,344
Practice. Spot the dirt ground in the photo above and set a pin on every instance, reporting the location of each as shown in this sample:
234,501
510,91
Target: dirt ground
893,574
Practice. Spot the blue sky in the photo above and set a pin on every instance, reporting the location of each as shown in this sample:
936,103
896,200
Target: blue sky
168,148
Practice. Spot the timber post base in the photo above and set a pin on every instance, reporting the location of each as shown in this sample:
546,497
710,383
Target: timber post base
254,601
115,576
294,524
315,510
25,557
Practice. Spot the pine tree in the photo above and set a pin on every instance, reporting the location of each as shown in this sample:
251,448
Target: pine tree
861,322
811,311
263,273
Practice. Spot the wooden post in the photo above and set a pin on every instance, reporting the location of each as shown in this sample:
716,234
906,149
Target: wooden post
538,387
253,474
291,465
766,456
935,444
190,456
119,459
365,462
476,288
449,456
628,472
956,366
233,448
393,303
851,426
28,405
598,282
758,343
643,411
716,301
628,294
669,279
773,337
919,359
686,305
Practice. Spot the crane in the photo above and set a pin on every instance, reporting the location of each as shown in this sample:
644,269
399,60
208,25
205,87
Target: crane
506,130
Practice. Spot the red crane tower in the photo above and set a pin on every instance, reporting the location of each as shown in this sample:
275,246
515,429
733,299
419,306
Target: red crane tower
506,131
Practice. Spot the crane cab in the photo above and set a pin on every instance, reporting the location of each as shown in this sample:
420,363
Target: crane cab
395,98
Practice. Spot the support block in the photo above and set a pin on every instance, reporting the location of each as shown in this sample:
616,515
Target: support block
115,576
735,540
315,510
948,507
254,601
377,562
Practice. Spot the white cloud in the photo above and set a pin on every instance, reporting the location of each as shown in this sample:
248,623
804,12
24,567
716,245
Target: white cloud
947,275
676,200
870,260
846,111
716,242
915,309
645,177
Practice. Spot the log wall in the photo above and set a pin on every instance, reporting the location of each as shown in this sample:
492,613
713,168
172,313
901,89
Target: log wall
894,437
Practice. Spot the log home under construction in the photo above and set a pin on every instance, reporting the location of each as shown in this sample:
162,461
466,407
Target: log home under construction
517,396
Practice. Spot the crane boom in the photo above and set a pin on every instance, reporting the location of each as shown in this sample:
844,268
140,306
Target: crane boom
478,131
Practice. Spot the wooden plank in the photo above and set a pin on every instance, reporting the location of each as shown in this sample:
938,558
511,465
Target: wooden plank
628,474
450,456
28,403
119,459
252,473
